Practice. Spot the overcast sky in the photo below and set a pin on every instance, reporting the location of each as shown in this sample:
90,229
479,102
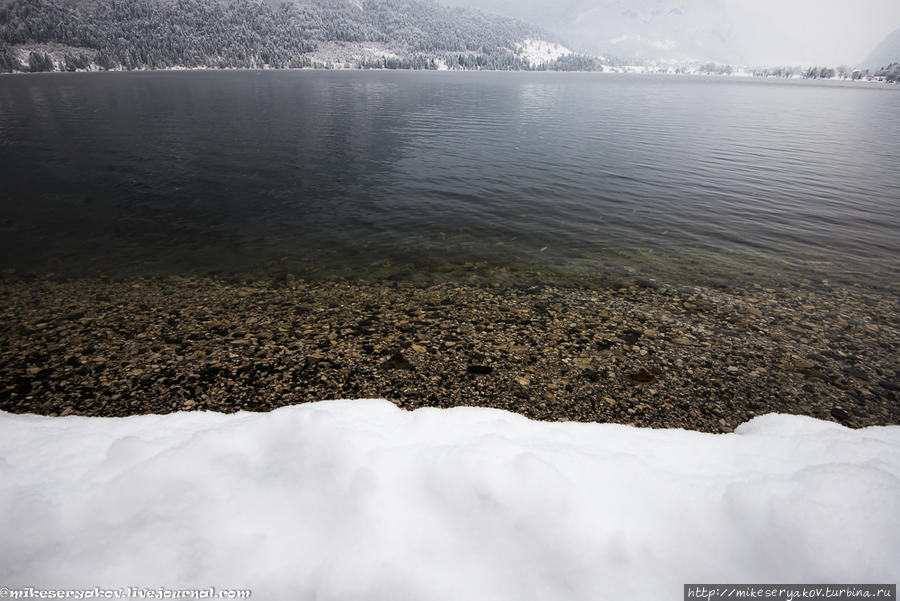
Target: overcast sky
755,32
813,31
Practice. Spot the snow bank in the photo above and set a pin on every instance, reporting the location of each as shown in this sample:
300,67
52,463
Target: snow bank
360,500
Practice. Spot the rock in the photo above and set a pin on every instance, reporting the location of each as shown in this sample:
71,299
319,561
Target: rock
642,377
887,385
582,362
682,341
630,336
418,348
522,381
397,361
479,370
839,414
648,283
591,375
855,372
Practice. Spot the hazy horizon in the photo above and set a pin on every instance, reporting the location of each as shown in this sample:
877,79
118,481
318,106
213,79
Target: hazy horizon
752,32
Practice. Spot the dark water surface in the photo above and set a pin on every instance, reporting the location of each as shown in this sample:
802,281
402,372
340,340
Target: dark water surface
388,174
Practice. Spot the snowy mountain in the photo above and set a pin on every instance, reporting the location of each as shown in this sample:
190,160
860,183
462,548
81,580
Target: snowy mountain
747,32
885,53
40,35
650,29
656,29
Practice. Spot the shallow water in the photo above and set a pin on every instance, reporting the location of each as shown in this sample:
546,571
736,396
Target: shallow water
396,174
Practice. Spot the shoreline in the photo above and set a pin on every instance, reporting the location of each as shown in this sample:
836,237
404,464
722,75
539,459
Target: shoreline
639,73
650,355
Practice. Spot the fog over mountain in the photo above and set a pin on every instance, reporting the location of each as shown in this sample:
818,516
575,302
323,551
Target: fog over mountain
888,51
755,32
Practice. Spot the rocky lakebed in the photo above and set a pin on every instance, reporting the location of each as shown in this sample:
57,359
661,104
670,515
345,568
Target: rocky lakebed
631,352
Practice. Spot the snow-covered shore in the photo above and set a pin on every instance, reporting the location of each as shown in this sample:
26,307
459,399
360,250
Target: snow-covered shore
361,500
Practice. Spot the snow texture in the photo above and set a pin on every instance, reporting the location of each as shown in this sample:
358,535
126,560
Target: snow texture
361,500
540,52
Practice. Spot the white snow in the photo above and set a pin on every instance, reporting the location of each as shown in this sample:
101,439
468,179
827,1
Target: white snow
540,52
361,500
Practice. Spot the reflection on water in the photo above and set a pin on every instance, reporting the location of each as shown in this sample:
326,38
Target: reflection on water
371,173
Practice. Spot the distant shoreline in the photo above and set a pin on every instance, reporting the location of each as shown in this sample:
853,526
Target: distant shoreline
722,76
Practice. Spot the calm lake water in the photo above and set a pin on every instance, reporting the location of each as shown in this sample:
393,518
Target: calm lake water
399,174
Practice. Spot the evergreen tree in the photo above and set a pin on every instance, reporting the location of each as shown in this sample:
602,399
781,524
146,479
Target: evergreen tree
39,61
8,60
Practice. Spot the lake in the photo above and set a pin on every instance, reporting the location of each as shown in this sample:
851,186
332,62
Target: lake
411,175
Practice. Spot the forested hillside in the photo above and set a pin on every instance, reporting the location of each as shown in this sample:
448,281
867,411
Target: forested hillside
40,35
890,72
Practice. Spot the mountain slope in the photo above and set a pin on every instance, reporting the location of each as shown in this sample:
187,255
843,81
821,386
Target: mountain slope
255,34
885,53
656,29
649,29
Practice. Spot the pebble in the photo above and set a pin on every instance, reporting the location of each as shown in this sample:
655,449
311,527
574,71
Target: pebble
642,377
839,414
397,361
801,364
